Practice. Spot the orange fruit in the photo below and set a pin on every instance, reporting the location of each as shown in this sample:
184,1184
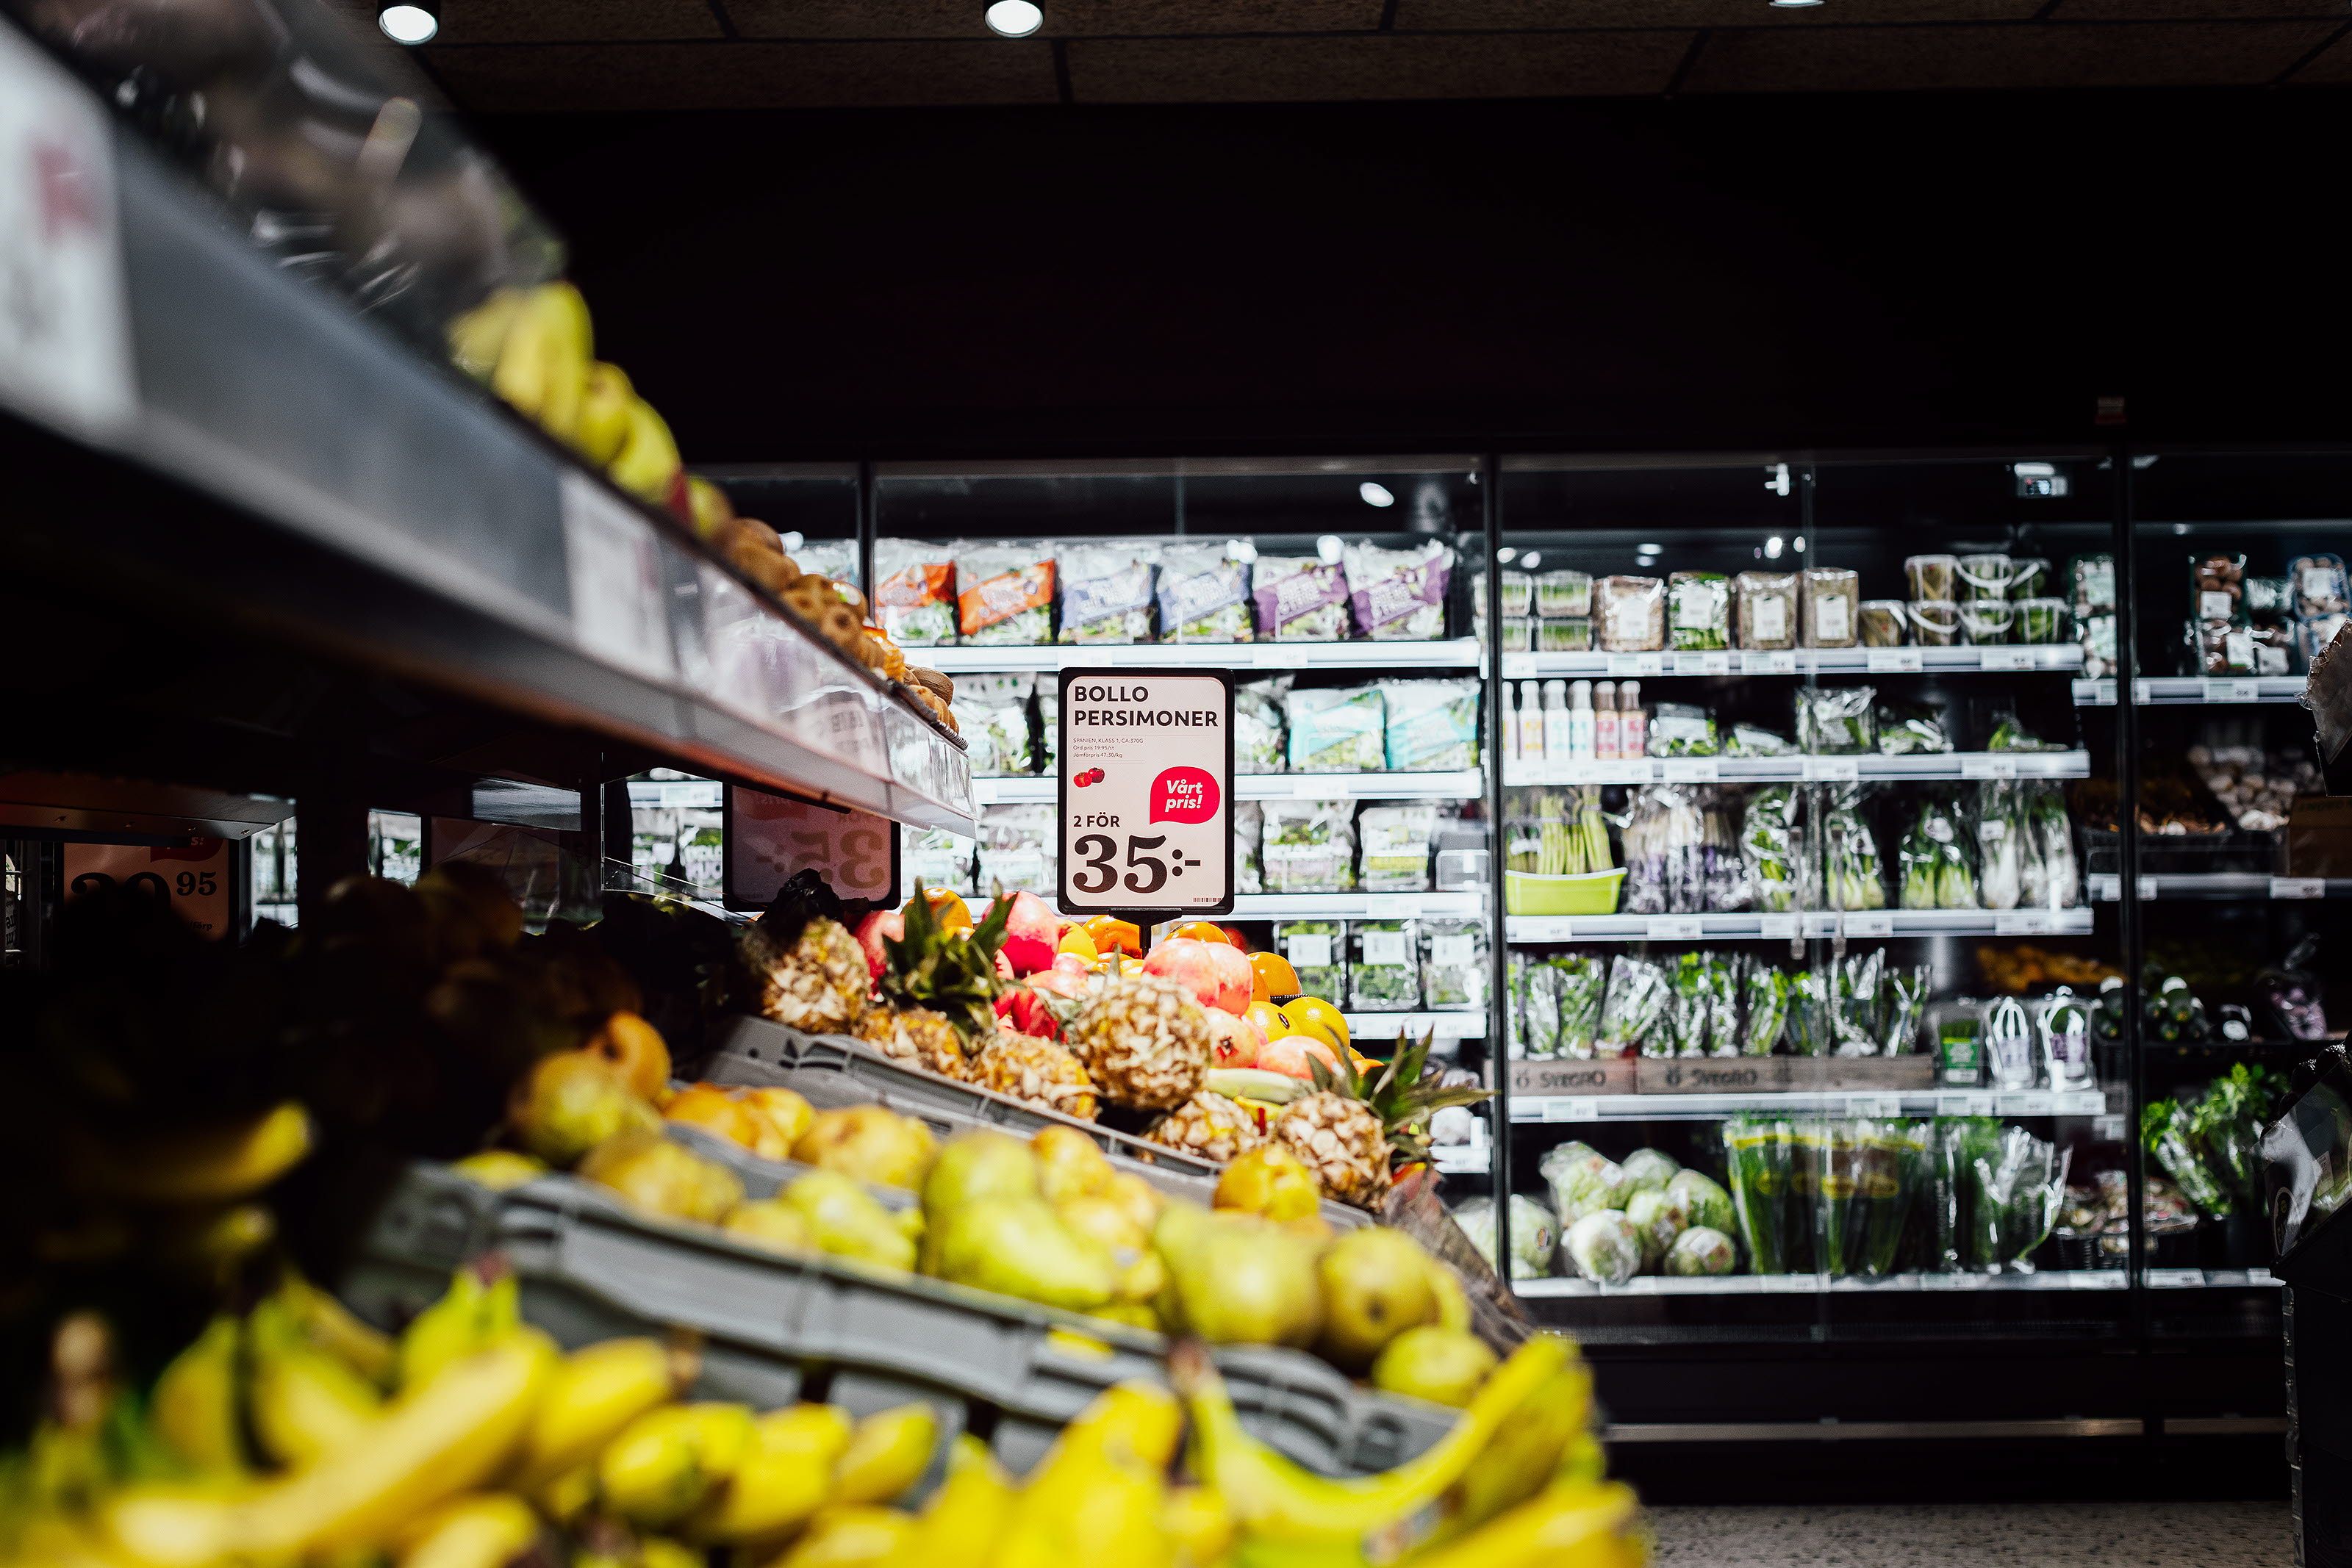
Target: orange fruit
1119,936
1272,976
949,911
1206,931
1268,1019
711,1108
636,1050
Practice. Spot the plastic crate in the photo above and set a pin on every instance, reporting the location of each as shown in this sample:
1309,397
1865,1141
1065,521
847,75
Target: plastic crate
831,1070
780,1329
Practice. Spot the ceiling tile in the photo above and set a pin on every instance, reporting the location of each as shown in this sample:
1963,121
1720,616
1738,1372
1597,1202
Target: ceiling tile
1504,15
2191,10
2335,65
1064,19
494,78
1379,65
2119,54
573,21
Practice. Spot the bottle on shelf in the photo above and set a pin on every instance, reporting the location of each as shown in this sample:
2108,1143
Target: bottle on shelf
1604,721
1510,718
1632,724
1581,743
1555,721
1531,734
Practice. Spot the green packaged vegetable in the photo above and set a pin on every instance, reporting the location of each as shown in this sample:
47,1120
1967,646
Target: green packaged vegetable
1338,729
1757,1159
1308,846
1453,964
1837,721
1650,1169
1658,1218
1317,952
1580,982
1702,1250
1603,1247
1431,725
1582,1181
1850,854
1708,1204
1634,1005
1903,1004
1258,725
1393,847
1770,844
1768,993
1383,966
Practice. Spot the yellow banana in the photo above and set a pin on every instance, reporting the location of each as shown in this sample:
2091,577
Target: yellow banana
1087,1505
850,1538
596,1393
476,336
212,1165
499,1169
1139,1423
604,423
1199,1525
326,1323
1583,1461
667,1461
433,1443
474,1313
889,1452
567,1497
961,1524
1275,1500
542,367
194,1407
653,1552
486,1530
784,1477
647,462
1561,1526
306,1404
1525,1452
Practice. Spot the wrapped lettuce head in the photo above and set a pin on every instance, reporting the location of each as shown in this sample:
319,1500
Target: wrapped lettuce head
1702,1250
1649,1168
1657,1216
1535,1234
1710,1204
1604,1248
1582,1181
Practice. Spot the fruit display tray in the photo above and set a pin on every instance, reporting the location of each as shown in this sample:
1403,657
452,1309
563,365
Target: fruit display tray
833,1071
777,1329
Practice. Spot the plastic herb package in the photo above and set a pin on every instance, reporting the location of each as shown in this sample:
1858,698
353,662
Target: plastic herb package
2050,835
1519,594
1665,852
914,592
1205,591
1683,1030
1938,871
1519,634
1017,848
1935,623
1984,578
2016,1182
1854,1002
1258,725
1308,846
1771,843
1883,623
1634,1004
1453,965
1765,995
1004,593
1679,729
1829,606
992,711
1107,592
1850,854
1903,1005
2000,845
1723,975
1564,593
1299,599
1907,731
1049,723
1580,982
1811,1033
2320,586
1932,576
1837,721
1563,636
1399,594
1431,724
1987,623
2090,584
1383,966
1392,848
1536,992
1338,729
1755,1160
1755,740
1316,949
1767,614
1249,822
1630,614
2040,622
1730,888
1698,608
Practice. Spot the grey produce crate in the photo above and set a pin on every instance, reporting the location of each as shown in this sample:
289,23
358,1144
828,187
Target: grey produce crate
834,1070
784,1328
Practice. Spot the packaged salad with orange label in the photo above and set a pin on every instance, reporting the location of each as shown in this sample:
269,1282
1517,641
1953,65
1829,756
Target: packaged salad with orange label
1007,592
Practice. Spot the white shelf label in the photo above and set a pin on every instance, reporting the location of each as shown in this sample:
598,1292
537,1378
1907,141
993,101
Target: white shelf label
1988,765
1790,1284
1878,923
2145,888
2107,887
1703,663
2298,887
2260,1276
1778,926
1518,666
1392,907
1832,770
2095,693
1264,656
613,563
1768,662
1976,1105
2004,658
1874,1105
1633,770
2030,1102
2096,1279
2175,1278
1577,1109
1892,660
1691,769
1674,927
1637,663
2021,922
2233,691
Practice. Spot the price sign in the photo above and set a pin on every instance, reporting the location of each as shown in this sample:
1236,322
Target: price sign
1518,666
2021,922
1892,660
1832,770
1147,773
65,335
2298,887
1768,662
1691,769
1702,663
1569,1108
1673,928
772,838
1988,765
2233,691
1870,925
194,880
619,609
2005,659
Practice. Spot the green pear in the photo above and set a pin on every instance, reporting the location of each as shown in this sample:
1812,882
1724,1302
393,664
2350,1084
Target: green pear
847,1220
1445,1367
1019,1246
1234,1279
1375,1286
975,1166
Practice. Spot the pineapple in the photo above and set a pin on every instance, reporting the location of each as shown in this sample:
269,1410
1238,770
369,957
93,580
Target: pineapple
1208,1125
806,970
1342,1142
917,1036
1144,1040
1036,1070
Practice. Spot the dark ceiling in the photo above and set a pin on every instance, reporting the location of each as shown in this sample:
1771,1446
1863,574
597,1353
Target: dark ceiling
538,55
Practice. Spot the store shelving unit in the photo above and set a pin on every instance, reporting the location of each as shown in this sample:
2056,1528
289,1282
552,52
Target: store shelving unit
1450,654
999,791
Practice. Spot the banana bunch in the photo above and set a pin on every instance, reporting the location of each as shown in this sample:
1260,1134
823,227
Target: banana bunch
535,348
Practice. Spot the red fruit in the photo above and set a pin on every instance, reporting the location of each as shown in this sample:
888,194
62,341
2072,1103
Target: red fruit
1004,966
871,930
1288,1056
1030,933
1233,1042
1030,1016
1004,1004
1214,972
1068,977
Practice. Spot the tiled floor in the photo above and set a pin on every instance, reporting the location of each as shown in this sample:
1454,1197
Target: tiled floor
2021,1535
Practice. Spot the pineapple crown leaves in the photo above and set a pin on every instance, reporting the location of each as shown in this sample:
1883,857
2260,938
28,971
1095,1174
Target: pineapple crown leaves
1404,1092
804,897
953,975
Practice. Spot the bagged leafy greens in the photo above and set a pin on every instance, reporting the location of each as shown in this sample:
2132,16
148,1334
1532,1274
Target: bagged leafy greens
914,592
1772,848
1649,1169
1535,1234
1383,966
1393,847
1399,594
1658,1219
1903,1004
1708,1204
1582,1181
1702,1250
1580,982
1431,724
1604,1248
1205,591
1535,1015
1907,731
1004,593
1811,1030
1249,823
1453,964
1679,729
1666,851
1684,1033
1317,950
1854,1002
1634,1005
2018,1183
1757,1159
1836,721
1850,854
1259,725
1767,994
1308,846
1107,592
993,712
1937,868
1338,729
1299,599
1698,609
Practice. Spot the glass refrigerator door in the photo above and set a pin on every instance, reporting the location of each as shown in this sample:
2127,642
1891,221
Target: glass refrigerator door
1798,922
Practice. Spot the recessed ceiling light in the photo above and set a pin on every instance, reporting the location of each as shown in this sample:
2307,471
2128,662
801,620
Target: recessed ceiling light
1014,19
1772,548
409,23
1329,547
1507,555
1792,5
1376,495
